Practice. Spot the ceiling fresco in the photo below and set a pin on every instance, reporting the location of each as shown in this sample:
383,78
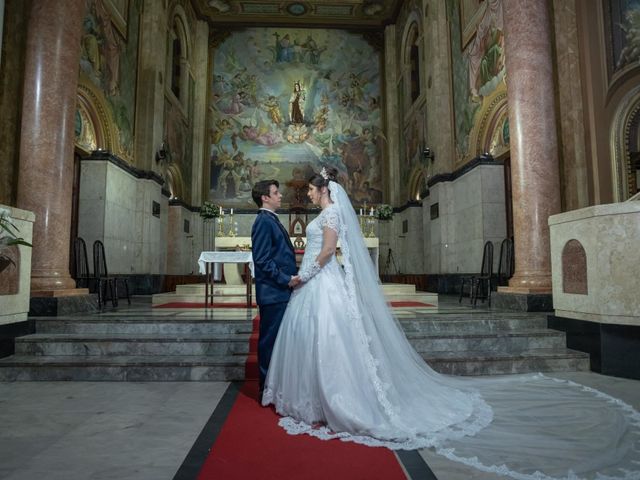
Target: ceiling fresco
337,13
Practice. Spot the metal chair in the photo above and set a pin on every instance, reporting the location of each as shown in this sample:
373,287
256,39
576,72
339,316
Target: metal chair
506,263
102,274
80,268
483,279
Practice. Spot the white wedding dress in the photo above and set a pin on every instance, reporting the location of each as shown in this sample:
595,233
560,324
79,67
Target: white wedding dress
342,368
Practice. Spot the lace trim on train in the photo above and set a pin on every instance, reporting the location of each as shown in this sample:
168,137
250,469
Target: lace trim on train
504,470
483,415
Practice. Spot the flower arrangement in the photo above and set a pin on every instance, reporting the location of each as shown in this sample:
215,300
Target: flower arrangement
209,210
384,212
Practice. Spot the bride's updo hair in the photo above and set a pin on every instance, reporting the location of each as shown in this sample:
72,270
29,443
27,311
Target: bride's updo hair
318,180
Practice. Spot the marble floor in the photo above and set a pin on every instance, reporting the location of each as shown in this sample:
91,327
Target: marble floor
107,430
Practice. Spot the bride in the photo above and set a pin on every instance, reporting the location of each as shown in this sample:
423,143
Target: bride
342,368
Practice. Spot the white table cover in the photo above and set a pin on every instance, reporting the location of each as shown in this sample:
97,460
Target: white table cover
225,257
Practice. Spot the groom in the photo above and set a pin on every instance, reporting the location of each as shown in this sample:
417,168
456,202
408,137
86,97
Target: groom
275,268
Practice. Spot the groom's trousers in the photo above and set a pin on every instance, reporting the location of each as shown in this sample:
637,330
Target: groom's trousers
270,318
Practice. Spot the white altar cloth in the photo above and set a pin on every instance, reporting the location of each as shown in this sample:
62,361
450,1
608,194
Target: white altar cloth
225,257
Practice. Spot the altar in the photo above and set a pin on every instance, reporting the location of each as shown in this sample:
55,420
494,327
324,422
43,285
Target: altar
232,275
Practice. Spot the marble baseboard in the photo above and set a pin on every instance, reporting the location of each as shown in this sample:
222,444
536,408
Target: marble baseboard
58,306
449,283
9,332
144,284
522,302
614,349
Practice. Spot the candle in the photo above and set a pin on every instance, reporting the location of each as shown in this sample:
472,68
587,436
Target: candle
232,211
371,214
360,212
220,211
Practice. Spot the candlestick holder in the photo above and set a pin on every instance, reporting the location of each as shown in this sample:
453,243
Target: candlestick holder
220,226
232,227
372,225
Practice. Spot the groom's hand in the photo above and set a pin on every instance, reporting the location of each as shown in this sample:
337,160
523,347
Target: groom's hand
295,281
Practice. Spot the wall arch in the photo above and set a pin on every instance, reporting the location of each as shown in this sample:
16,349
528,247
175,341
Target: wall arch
625,139
93,109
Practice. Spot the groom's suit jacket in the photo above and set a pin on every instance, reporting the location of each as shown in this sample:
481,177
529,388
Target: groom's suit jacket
273,257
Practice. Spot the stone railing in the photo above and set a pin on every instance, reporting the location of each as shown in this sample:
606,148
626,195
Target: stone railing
596,263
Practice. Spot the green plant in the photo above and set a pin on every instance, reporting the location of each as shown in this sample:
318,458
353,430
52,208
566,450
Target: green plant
384,212
9,232
209,210
8,236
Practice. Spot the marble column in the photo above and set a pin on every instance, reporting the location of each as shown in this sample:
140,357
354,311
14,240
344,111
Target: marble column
45,179
534,143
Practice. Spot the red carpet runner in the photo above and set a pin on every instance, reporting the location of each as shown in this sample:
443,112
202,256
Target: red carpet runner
252,445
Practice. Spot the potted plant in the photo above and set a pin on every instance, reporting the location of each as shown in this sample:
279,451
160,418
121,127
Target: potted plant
8,237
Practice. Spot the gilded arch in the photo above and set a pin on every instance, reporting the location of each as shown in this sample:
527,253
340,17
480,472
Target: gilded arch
492,132
625,144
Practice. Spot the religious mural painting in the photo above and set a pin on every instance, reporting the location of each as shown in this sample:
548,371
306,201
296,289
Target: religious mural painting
622,23
478,67
284,102
109,60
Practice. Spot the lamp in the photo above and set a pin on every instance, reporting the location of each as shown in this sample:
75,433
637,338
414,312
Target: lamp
427,154
162,154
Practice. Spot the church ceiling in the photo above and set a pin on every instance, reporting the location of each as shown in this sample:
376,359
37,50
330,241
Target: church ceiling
321,13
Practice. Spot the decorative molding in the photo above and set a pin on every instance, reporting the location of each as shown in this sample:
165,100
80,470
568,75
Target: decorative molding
106,155
466,168
628,109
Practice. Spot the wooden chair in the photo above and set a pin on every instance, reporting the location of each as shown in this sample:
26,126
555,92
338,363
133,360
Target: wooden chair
102,274
483,279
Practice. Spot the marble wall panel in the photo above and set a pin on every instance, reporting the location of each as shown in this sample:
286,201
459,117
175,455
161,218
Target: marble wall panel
610,235
116,208
471,212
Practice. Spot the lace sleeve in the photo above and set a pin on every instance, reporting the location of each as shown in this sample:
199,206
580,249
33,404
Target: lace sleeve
309,271
330,218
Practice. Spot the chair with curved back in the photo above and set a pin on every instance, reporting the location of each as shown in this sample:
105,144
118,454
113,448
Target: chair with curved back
80,268
481,280
102,273
506,264
481,284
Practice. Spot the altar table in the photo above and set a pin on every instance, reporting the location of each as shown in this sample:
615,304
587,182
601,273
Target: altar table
208,258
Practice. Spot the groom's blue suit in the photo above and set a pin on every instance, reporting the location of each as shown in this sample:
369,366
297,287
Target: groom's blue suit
275,263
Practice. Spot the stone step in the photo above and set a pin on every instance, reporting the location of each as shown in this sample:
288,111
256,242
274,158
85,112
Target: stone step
491,363
171,325
507,342
164,298
466,325
224,293
138,345
218,289
123,368
231,368
230,344
142,325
